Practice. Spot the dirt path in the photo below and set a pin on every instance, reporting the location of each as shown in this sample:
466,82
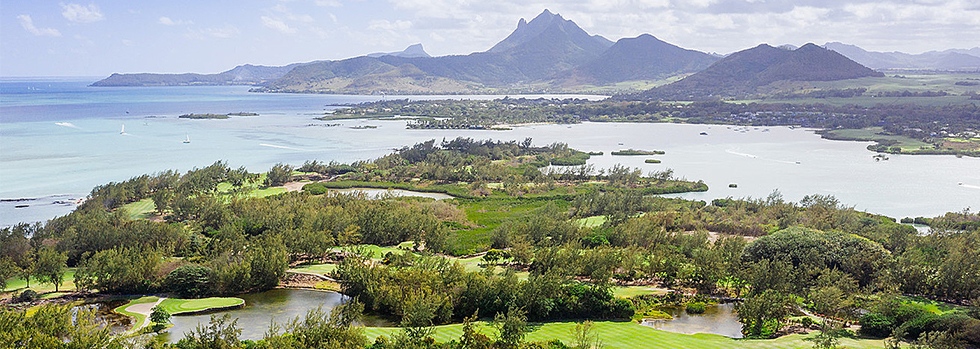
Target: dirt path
144,309
296,186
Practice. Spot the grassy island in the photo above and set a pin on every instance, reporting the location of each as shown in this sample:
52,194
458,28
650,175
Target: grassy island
631,151
215,116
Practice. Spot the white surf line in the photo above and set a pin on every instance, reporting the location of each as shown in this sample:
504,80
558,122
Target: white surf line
281,147
146,313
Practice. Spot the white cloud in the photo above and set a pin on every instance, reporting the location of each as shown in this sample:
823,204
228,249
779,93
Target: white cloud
167,21
384,24
28,24
223,32
278,25
81,14
328,3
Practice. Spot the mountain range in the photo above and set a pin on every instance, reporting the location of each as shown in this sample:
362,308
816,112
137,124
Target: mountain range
546,54
935,60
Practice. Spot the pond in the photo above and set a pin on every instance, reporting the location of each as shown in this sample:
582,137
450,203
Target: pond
279,305
718,319
117,323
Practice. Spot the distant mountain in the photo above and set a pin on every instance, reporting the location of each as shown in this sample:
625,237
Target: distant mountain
363,75
535,51
548,50
944,60
241,75
641,58
745,72
413,51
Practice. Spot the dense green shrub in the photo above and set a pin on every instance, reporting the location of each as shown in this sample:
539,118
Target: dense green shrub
190,281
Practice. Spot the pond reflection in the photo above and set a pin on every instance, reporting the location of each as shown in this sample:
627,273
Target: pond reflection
718,319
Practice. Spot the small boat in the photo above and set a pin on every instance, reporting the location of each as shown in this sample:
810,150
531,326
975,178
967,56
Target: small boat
620,143
188,139
797,162
122,131
22,206
704,133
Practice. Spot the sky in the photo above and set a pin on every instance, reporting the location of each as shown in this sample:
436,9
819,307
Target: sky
100,37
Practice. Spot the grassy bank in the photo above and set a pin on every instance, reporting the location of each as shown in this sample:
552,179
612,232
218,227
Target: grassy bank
628,335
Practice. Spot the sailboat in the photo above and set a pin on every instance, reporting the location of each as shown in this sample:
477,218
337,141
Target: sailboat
188,139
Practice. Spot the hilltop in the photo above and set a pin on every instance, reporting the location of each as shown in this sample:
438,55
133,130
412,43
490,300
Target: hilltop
755,70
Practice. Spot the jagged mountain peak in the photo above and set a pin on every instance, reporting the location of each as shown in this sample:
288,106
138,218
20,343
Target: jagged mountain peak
543,23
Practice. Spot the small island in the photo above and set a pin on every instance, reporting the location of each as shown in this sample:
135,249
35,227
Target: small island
631,151
204,116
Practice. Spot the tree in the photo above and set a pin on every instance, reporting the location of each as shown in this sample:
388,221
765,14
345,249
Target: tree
220,333
191,281
762,315
159,315
50,266
512,327
269,261
8,269
829,335
278,175
586,336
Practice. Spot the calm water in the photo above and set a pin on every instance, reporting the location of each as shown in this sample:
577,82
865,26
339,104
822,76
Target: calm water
58,139
262,308
718,319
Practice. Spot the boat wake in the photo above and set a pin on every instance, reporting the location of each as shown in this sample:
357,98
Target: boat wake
733,152
280,147
67,124
970,186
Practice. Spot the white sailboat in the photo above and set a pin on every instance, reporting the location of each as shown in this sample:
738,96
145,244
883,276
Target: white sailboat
188,139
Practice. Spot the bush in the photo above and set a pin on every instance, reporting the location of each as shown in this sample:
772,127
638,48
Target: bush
27,296
190,281
695,308
876,325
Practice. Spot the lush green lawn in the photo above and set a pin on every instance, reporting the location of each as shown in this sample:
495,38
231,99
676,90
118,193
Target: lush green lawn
590,222
176,306
631,291
19,284
315,268
872,134
141,209
631,335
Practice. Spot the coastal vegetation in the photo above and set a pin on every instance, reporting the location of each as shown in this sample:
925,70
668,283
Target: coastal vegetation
907,128
214,116
521,255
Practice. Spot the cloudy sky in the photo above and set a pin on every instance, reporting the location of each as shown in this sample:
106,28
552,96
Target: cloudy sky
99,37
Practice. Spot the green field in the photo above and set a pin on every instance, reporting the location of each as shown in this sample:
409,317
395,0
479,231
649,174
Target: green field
874,134
177,306
625,335
18,284
315,268
632,291
893,82
590,222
